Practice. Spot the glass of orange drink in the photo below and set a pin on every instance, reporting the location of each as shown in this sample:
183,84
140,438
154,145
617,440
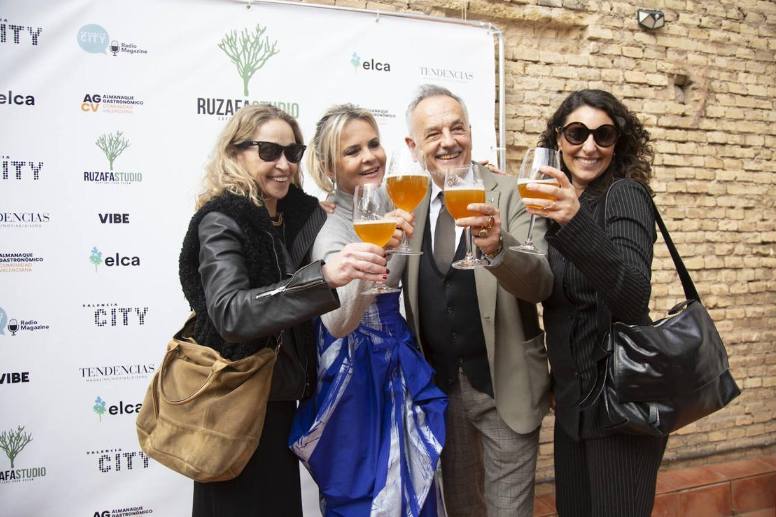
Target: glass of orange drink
464,186
407,183
530,173
372,224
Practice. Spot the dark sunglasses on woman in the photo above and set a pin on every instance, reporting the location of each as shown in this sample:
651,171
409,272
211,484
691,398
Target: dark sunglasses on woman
576,133
270,151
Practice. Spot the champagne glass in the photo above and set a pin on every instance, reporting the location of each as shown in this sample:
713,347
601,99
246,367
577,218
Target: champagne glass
529,173
370,206
407,182
462,186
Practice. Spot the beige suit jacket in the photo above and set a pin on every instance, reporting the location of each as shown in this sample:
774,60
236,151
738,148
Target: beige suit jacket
518,367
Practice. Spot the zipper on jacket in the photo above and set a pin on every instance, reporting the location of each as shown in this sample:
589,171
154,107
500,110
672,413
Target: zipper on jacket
286,289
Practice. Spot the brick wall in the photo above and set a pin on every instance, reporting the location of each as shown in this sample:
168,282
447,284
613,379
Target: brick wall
705,87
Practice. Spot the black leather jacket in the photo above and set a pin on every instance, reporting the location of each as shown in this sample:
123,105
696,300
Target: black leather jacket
238,281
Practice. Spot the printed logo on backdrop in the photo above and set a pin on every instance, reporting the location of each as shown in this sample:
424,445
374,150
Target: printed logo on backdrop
15,34
118,460
94,39
14,326
12,443
14,169
440,73
249,51
382,113
14,377
112,146
18,261
113,218
127,511
116,372
16,98
115,315
24,219
115,260
109,103
369,64
102,408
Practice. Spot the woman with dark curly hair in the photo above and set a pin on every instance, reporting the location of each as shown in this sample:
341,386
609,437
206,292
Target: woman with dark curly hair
605,163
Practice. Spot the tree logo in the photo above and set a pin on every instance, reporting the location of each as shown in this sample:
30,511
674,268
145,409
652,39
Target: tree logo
112,145
249,51
96,257
355,60
99,407
12,442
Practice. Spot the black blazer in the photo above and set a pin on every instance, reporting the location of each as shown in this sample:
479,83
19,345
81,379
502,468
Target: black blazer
585,260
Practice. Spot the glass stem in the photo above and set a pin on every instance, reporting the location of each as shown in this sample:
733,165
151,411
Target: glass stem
469,243
404,244
528,240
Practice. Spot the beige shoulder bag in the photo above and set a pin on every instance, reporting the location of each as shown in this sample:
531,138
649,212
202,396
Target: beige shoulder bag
202,415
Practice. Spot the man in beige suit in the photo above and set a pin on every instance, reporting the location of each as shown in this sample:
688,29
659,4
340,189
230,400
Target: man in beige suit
478,329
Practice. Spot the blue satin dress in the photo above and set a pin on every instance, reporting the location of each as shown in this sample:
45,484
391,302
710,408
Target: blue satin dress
372,434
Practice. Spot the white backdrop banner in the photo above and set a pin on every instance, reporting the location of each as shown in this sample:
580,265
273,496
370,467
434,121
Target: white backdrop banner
109,110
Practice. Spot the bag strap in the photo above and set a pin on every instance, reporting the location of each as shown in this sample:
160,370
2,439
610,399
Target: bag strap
168,357
604,316
690,293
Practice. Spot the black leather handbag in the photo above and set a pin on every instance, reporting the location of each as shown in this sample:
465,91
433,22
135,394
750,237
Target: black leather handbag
655,378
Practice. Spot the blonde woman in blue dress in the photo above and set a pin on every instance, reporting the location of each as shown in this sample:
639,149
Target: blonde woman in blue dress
372,434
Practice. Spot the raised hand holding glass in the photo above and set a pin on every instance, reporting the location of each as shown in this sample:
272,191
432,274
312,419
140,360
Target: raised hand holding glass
372,225
462,187
530,172
407,182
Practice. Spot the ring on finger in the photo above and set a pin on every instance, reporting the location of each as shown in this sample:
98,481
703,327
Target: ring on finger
491,222
482,233
551,206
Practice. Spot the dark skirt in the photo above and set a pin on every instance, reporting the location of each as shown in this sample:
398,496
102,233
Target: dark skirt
268,486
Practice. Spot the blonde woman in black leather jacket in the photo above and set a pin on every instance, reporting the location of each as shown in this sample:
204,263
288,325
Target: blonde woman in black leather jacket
246,272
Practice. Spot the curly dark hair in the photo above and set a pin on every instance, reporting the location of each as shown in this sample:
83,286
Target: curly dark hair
632,153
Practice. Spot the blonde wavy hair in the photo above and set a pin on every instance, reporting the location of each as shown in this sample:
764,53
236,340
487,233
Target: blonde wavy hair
325,147
223,173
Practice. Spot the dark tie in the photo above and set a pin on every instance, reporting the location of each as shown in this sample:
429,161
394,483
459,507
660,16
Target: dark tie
444,238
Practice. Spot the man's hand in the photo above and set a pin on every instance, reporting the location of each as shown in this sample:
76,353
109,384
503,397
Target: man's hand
486,227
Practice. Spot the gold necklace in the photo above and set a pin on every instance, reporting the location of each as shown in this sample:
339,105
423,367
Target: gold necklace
277,222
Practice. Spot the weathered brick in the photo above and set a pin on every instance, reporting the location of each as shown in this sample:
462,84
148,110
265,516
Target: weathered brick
705,88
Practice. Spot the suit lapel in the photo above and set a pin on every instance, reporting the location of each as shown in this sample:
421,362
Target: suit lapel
413,261
485,282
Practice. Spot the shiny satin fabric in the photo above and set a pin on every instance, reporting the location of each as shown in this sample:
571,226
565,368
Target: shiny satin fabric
372,434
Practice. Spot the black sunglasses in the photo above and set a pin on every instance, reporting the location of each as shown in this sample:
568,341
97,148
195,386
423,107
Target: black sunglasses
576,133
270,151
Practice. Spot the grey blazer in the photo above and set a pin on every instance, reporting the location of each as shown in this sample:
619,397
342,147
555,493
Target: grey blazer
507,291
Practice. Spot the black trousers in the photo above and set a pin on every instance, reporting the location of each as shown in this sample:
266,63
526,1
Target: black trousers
268,486
606,477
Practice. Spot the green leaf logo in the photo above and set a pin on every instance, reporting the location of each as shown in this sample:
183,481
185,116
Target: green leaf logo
96,257
99,407
249,51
